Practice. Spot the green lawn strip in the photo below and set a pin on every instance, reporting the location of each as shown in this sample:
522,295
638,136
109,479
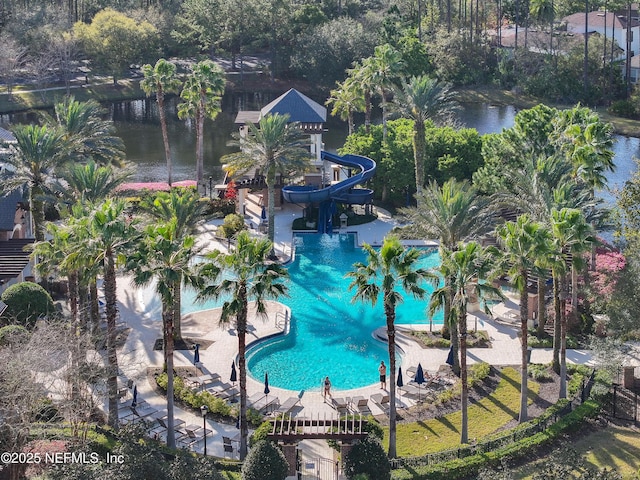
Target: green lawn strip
485,417
614,447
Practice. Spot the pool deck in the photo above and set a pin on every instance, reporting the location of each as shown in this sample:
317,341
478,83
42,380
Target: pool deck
137,355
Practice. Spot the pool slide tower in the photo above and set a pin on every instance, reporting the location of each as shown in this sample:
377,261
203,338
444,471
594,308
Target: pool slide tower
343,191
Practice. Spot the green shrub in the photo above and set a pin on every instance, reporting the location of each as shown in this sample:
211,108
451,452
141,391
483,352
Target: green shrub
26,302
624,108
216,405
260,433
536,342
478,372
367,457
13,334
233,223
540,373
265,461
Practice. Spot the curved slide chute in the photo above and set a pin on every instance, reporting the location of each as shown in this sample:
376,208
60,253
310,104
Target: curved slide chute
342,192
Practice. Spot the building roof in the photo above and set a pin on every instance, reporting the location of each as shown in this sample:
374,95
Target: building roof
6,136
299,107
596,20
8,209
13,257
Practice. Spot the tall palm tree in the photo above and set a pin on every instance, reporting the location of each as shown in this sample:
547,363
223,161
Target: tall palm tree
420,99
186,211
347,98
38,154
390,267
245,275
272,146
87,132
523,242
88,183
467,268
385,69
453,213
110,236
164,256
162,80
362,75
545,11
572,236
202,93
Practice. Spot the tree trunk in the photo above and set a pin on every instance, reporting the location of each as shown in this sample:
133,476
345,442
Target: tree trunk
270,180
585,66
464,396
418,154
574,292
390,314
177,314
524,314
241,327
165,133
384,116
94,306
367,111
37,214
628,59
556,324
200,142
167,315
542,307
112,313
563,342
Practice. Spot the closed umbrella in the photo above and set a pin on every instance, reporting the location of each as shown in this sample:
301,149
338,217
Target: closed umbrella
234,375
196,354
419,378
450,357
266,383
263,214
134,402
400,382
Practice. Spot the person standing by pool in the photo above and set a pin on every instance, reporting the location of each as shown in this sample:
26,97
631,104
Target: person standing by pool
382,370
327,388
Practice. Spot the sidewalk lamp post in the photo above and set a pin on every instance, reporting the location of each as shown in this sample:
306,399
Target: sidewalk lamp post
210,188
204,409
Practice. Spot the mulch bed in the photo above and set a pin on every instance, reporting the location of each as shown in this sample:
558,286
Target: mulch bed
184,344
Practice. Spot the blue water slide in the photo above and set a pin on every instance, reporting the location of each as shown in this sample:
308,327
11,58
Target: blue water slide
344,191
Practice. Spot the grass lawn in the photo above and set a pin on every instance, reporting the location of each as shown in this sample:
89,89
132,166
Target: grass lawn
485,417
614,447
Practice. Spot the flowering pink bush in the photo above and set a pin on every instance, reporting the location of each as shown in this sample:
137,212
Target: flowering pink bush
604,279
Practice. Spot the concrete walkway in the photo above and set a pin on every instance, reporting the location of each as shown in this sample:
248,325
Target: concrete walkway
137,355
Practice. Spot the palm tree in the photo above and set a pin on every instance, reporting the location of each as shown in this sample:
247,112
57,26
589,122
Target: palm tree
273,146
524,242
362,74
545,11
163,80
165,256
110,235
347,99
452,213
572,236
39,153
245,275
467,268
201,93
88,183
384,270
185,209
420,99
384,70
88,134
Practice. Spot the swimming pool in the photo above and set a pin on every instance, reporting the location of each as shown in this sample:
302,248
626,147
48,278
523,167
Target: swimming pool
329,334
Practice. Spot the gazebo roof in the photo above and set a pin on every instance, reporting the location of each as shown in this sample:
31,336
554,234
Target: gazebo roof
299,107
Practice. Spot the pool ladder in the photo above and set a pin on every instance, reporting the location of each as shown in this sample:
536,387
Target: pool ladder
282,321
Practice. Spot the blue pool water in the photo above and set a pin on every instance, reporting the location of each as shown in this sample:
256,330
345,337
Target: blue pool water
329,334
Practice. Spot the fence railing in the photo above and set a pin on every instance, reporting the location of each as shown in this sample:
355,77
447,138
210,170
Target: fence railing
493,443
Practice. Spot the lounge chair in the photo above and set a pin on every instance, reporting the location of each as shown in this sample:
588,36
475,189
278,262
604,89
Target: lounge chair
340,404
381,400
360,404
219,388
289,404
263,404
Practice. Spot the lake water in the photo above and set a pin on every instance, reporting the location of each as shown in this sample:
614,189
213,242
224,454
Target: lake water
137,123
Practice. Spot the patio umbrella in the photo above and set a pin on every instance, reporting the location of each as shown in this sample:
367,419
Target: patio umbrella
266,383
419,378
400,382
134,402
196,354
450,357
234,375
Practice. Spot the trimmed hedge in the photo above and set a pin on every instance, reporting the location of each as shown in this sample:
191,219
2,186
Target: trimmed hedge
469,466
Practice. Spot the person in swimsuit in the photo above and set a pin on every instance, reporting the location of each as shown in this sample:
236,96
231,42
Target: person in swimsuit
382,370
327,388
